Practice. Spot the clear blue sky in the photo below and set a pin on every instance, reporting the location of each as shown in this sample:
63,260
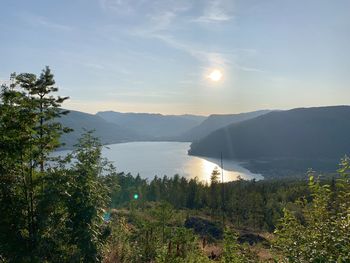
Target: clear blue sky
154,55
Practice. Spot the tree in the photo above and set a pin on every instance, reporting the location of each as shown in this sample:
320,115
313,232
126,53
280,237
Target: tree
48,130
28,133
163,213
52,209
231,253
88,199
214,190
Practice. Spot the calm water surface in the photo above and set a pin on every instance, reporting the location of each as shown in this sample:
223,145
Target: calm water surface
169,158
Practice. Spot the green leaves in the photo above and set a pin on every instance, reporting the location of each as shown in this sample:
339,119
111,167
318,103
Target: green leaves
49,213
323,232
88,199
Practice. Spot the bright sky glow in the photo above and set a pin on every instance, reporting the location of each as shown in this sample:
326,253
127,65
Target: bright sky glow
215,75
150,55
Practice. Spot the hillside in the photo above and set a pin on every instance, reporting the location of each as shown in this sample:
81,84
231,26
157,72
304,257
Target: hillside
107,132
217,121
303,133
153,125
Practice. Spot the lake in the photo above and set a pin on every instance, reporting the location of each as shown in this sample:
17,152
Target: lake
169,158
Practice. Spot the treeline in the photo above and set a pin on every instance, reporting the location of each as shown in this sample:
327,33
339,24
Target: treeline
247,204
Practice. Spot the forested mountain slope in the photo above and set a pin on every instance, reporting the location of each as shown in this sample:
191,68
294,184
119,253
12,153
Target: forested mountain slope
217,121
305,133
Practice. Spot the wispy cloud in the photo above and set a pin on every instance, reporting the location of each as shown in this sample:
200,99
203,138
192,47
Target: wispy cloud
164,20
250,69
94,66
216,11
138,94
126,7
44,22
215,59
146,8
159,17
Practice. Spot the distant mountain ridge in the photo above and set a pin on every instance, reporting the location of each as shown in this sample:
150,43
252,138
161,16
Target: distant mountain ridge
116,127
107,132
156,126
305,133
217,121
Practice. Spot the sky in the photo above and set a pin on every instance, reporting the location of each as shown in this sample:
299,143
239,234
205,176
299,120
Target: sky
156,55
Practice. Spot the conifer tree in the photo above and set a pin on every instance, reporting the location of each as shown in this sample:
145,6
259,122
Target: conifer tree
28,133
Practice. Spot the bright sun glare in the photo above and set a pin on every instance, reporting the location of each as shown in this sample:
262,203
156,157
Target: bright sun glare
215,75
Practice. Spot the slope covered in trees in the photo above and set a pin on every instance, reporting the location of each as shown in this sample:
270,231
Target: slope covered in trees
304,135
217,121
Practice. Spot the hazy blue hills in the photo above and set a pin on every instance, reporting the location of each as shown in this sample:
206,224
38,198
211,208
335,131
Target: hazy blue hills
115,127
281,140
217,121
320,133
157,126
106,131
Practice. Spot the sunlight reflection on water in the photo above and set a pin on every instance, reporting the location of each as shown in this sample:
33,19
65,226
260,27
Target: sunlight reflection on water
203,168
170,158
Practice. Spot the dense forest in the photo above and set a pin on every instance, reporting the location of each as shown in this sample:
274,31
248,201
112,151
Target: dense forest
78,208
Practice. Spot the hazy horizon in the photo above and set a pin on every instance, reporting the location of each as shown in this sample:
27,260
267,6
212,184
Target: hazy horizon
157,56
203,115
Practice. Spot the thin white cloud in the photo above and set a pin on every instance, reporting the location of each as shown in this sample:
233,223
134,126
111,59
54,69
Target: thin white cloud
94,66
44,22
138,94
215,59
216,11
250,69
160,18
162,21
145,8
111,67
125,7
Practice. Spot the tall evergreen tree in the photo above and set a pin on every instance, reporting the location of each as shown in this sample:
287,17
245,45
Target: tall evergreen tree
28,133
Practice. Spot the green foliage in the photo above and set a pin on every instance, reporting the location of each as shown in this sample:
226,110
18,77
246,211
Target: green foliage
253,204
119,247
233,252
214,200
182,247
51,209
155,236
88,199
164,215
322,232
28,133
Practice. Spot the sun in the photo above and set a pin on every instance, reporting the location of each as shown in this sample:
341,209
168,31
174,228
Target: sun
215,75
